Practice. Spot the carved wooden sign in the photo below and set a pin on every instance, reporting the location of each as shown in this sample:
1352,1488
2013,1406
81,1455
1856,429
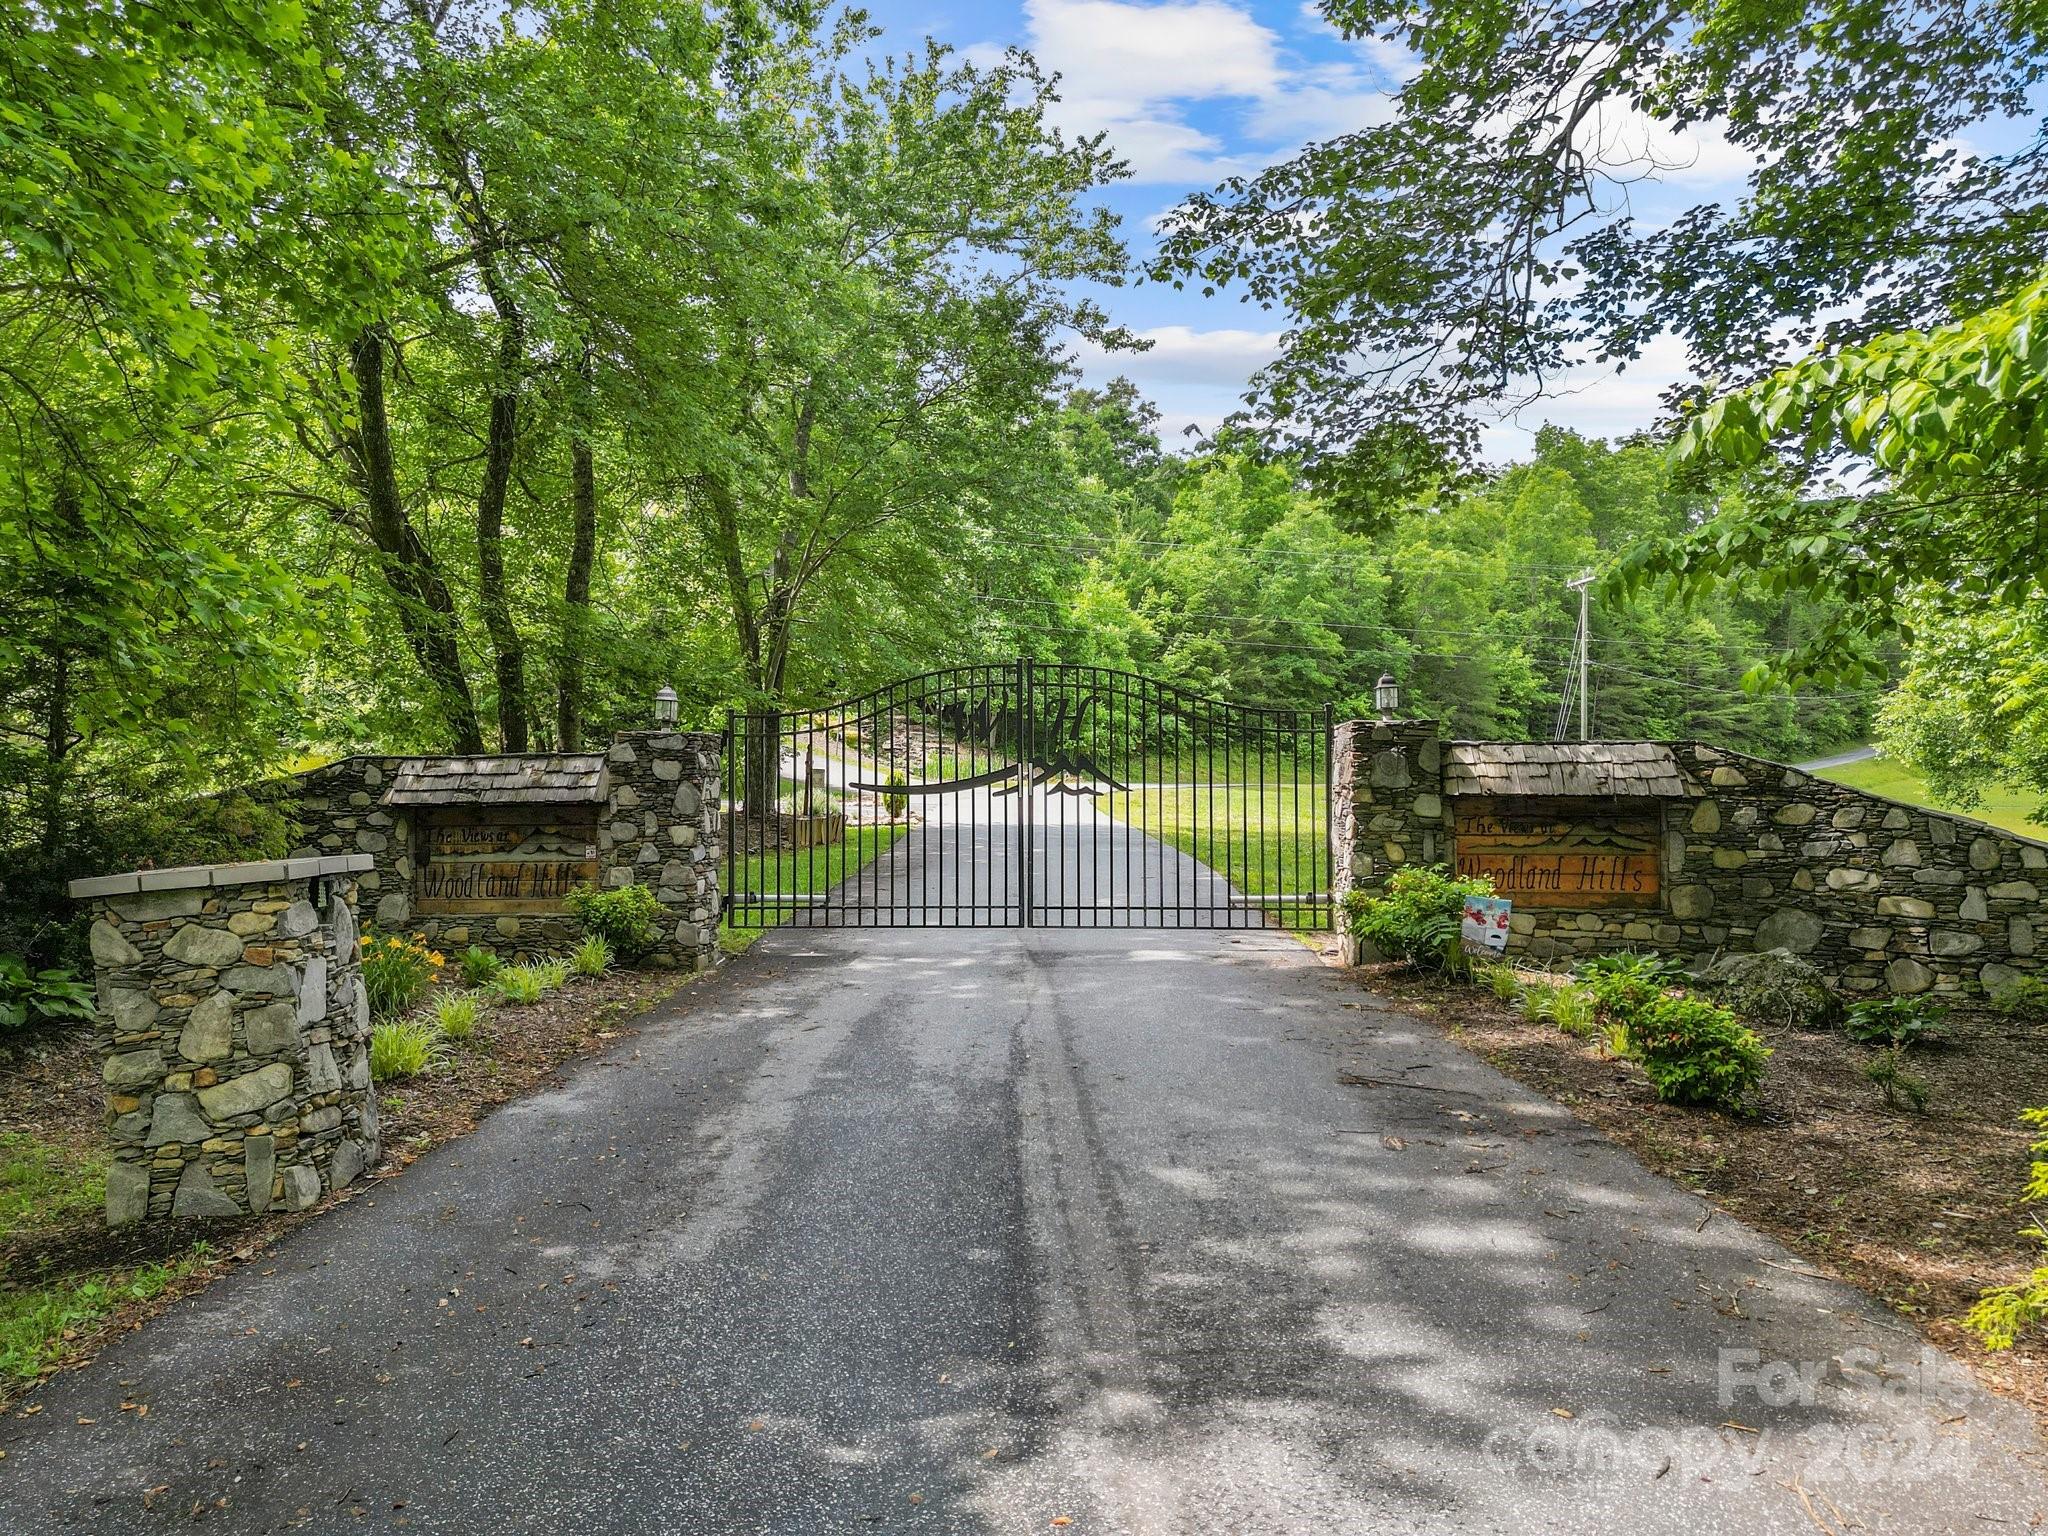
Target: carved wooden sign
479,861
1549,856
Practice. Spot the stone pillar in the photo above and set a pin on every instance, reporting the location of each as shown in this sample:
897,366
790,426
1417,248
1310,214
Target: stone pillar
661,829
234,1032
1389,798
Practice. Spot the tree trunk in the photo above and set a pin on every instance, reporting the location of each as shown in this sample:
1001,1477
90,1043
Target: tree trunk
576,593
508,649
426,609
56,747
569,667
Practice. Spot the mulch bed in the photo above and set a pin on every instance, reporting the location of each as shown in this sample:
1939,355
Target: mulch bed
1920,1210
50,1088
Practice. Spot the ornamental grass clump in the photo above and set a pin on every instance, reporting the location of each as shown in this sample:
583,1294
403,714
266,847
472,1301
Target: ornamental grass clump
402,1048
397,972
520,985
457,1014
1567,1007
593,957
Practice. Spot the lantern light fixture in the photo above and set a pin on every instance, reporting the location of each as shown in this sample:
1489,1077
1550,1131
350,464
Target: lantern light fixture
665,706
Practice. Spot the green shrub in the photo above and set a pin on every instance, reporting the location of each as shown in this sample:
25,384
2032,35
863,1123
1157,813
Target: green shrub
1776,989
402,1048
895,802
397,972
1621,996
520,985
457,1014
593,957
1697,1053
2005,1312
1896,1021
479,965
553,974
1417,916
1901,1089
625,917
50,995
2024,997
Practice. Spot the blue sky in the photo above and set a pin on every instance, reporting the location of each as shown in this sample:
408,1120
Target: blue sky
1191,91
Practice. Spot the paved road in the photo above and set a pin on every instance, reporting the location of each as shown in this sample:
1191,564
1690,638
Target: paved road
1839,760
947,1231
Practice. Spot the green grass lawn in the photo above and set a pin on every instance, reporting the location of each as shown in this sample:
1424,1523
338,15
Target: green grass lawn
1895,781
802,872
1267,840
47,1189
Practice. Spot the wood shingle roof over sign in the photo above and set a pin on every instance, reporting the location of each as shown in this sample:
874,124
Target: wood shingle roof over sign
541,778
1589,769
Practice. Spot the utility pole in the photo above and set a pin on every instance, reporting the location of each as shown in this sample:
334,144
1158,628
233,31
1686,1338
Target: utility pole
1583,584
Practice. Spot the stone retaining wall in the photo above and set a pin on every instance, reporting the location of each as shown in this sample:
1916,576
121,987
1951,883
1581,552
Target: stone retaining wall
234,1031
1883,897
658,826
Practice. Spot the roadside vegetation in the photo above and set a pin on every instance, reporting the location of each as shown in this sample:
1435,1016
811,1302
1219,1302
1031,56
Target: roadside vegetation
1885,1138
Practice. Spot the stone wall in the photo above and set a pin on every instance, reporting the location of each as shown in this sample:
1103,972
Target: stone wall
658,826
1883,897
234,1031
661,829
1388,791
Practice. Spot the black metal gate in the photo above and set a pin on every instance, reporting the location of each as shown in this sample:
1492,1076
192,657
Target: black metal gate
1030,795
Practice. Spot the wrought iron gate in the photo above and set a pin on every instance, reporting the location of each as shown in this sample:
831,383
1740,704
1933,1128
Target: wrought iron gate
1030,795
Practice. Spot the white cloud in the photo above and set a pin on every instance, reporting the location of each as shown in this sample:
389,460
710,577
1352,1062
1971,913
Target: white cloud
1198,357
1111,51
1594,401
1133,70
1195,377
1321,104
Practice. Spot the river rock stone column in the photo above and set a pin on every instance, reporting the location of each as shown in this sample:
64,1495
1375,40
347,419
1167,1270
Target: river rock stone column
662,830
1388,793
234,1033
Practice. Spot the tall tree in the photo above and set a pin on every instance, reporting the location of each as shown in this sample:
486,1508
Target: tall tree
1481,238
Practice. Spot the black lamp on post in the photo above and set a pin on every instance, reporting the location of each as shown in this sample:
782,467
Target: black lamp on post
665,707
1386,695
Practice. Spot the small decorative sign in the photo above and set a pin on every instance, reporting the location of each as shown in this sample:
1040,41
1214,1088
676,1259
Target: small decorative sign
475,861
1486,923
1546,857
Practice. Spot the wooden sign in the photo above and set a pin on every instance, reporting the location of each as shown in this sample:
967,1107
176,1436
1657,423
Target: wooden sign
475,861
1541,857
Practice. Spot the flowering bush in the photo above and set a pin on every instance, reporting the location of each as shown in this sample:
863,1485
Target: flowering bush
397,971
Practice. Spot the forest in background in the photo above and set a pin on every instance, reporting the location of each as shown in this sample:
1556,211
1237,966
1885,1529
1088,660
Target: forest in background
397,377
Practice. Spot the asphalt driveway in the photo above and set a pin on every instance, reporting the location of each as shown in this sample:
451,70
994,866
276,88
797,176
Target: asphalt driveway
957,1231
